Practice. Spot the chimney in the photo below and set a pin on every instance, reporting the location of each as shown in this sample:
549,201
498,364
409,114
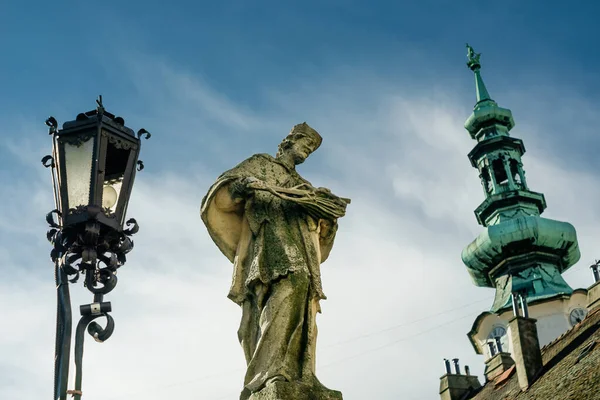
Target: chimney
526,346
456,367
447,362
595,270
492,349
594,290
498,362
456,386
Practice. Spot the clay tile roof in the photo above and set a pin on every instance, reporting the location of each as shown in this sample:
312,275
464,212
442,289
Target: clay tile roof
571,369
500,379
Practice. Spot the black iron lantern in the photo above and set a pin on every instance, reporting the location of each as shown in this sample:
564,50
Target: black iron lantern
93,162
96,157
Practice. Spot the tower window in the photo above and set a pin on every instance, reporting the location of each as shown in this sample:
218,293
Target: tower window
514,171
499,171
485,173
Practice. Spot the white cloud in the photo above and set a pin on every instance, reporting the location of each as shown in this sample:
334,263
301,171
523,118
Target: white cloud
401,158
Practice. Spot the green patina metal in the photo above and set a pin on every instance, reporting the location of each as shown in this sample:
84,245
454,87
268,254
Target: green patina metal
519,250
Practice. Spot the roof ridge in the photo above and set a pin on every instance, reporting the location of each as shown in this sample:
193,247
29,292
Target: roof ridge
591,314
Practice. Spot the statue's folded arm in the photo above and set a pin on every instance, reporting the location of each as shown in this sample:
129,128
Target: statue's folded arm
223,216
225,202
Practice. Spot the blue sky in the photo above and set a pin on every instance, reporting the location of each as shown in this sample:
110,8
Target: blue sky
386,85
60,57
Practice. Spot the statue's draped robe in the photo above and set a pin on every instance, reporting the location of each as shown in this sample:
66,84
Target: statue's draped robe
276,250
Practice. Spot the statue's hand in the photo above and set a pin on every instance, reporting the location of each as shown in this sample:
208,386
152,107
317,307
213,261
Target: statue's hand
327,227
241,188
252,184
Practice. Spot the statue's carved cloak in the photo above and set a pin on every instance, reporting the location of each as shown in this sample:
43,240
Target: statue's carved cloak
276,249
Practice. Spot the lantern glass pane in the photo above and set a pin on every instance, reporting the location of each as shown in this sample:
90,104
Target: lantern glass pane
78,165
117,154
110,194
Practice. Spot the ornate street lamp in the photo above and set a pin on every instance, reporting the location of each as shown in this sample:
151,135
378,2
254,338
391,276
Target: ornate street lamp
94,161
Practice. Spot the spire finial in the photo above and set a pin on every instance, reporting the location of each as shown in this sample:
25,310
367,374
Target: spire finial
473,57
474,65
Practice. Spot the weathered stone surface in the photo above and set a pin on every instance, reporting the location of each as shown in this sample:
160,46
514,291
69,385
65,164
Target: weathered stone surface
295,391
526,349
497,365
455,387
593,296
276,228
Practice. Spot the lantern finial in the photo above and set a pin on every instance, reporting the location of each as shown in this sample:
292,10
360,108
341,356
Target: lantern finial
100,106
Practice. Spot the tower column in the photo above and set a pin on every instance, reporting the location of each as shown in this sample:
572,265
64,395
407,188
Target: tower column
510,177
493,179
484,183
522,175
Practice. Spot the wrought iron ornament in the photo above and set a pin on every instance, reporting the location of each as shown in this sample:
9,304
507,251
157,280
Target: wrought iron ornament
93,246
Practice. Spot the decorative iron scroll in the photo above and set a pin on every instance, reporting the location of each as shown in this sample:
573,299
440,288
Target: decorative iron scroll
94,252
119,143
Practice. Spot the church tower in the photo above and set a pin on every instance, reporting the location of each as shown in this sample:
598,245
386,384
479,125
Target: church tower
518,250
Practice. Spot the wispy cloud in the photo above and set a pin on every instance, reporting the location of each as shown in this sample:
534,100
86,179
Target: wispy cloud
182,93
401,157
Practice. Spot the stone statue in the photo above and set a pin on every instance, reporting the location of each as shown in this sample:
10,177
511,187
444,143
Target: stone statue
276,229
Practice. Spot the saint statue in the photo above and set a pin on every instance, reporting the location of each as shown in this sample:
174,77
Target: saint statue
276,229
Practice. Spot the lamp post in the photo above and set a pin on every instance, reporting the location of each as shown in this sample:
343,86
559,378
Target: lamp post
93,162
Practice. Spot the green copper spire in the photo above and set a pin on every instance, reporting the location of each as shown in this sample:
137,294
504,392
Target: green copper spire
488,119
518,250
474,65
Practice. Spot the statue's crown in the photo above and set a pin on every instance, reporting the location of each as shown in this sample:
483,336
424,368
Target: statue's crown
303,130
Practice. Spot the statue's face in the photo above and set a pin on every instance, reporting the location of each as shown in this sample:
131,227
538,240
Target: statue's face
301,148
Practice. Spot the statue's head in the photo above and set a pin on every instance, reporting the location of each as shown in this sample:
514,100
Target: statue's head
300,143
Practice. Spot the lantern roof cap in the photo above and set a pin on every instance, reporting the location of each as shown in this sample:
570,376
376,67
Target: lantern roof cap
99,116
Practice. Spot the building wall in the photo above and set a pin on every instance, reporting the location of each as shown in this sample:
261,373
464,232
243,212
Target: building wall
552,321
